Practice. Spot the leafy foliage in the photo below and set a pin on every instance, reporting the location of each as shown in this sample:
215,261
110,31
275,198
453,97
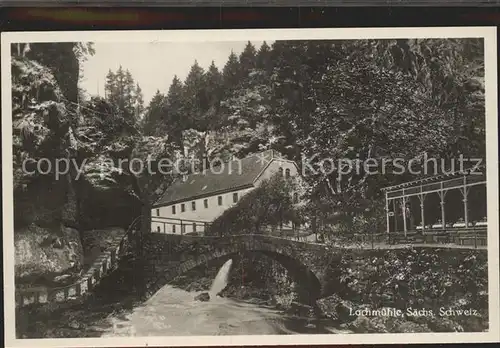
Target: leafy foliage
419,279
40,120
123,92
268,205
357,100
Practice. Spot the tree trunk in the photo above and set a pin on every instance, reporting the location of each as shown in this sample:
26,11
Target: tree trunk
146,219
314,227
140,261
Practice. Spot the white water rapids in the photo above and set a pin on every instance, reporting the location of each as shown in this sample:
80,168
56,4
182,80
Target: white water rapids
174,312
220,281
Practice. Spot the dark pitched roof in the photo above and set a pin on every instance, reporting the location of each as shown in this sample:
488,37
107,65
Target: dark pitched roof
209,183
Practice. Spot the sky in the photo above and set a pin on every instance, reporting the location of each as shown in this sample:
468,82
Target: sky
154,64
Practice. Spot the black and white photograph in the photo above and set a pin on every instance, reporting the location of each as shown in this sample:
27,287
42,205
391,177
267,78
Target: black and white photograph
214,187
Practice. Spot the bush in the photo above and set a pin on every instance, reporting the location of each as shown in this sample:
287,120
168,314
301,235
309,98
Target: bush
268,205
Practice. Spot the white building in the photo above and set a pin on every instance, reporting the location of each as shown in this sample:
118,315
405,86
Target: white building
193,202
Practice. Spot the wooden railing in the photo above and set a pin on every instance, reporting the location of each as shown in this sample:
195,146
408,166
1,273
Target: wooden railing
182,223
472,236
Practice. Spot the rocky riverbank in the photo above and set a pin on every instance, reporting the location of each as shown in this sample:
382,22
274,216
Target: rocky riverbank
410,290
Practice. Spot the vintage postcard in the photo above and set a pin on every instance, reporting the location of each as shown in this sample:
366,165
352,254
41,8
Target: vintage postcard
250,187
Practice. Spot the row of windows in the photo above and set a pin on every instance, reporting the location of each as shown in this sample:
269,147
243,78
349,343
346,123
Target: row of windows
193,204
287,176
287,172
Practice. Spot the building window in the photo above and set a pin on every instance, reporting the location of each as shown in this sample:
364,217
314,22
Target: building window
235,197
173,228
287,173
158,229
193,205
173,210
205,203
157,212
219,199
194,226
183,208
281,171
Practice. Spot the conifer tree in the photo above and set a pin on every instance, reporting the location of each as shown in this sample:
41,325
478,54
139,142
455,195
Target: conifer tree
110,85
175,118
120,89
139,101
195,102
231,72
214,91
153,119
263,58
248,59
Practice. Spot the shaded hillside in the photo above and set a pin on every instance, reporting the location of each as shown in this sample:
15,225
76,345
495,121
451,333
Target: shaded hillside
53,208
356,100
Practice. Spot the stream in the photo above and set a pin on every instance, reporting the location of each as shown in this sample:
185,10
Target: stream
175,312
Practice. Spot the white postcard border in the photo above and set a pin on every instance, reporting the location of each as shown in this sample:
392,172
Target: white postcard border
490,41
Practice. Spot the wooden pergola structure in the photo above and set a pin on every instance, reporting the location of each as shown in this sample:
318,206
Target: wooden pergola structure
399,196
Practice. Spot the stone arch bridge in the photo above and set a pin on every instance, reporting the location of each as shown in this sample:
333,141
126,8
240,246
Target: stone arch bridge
168,256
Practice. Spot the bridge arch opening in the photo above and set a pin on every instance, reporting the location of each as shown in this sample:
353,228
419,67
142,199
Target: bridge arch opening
308,284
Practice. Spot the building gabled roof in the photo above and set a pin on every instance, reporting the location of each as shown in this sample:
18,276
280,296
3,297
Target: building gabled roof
232,175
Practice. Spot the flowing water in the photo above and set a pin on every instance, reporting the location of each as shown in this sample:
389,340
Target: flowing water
220,281
174,312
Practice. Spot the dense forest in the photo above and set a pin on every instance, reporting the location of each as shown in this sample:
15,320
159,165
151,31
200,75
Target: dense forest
356,100
362,99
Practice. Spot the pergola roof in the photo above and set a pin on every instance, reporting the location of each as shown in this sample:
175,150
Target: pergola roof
433,179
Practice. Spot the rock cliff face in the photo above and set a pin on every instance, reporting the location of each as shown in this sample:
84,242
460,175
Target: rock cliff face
52,210
43,253
44,205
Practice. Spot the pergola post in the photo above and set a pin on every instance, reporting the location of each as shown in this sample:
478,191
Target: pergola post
403,205
394,203
465,193
442,193
387,212
428,186
421,198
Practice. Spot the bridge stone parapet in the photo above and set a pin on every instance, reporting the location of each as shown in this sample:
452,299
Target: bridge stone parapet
169,256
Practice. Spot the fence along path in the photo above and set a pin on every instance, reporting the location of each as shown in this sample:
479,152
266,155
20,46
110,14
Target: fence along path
105,262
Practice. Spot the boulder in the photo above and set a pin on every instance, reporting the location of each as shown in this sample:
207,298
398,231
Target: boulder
411,327
299,309
441,324
336,308
46,251
203,297
366,325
